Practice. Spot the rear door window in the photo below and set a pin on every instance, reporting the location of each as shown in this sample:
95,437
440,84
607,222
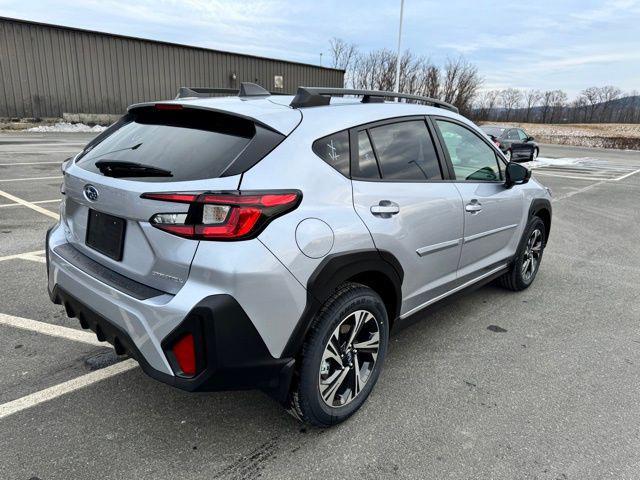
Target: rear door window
406,151
175,145
513,135
366,165
334,149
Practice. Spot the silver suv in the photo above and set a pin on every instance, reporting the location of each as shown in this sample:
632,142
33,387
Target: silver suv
273,242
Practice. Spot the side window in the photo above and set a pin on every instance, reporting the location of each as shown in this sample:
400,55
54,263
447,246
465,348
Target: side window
334,150
523,136
366,165
513,135
405,151
472,158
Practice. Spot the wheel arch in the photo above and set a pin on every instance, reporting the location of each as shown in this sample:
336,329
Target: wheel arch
379,270
541,208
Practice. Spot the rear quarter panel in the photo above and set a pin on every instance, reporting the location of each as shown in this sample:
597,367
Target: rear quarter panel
327,196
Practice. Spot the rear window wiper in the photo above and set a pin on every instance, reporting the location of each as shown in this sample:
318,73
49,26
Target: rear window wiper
120,169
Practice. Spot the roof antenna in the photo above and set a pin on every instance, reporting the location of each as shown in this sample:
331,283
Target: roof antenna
248,89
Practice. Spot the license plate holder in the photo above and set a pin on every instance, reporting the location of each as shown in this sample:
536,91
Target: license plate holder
105,234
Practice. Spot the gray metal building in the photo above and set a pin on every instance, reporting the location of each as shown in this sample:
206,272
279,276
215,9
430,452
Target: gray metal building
49,70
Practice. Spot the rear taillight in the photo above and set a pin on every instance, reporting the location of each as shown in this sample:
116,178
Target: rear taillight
233,215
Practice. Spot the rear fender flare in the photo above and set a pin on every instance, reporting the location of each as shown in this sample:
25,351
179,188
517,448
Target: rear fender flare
335,270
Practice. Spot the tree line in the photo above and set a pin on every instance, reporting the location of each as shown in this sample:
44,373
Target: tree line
605,104
459,83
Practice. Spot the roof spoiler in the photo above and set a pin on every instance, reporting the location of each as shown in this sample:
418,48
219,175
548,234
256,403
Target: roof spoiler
318,96
246,90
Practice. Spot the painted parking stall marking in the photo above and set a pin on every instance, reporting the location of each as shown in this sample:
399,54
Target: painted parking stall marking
69,386
584,168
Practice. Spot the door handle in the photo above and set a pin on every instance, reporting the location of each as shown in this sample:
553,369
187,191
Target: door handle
473,207
385,208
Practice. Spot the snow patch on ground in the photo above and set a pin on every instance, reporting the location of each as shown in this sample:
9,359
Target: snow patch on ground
557,162
67,128
560,162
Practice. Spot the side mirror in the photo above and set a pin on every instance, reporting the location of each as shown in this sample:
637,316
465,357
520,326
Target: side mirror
516,174
530,139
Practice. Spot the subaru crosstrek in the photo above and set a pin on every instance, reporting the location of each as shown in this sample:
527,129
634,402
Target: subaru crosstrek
273,242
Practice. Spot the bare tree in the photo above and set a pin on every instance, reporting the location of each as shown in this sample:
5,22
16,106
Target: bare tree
342,53
457,83
487,102
531,99
607,95
591,98
432,81
550,101
579,110
461,83
511,99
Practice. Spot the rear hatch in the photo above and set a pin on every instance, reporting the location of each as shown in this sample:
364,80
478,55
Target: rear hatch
154,148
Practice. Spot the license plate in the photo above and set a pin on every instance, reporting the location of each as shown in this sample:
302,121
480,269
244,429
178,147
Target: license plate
105,233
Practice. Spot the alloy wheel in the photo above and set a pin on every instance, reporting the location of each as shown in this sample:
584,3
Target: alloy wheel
532,254
349,358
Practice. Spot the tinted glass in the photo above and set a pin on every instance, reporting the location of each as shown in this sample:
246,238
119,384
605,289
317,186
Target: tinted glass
366,165
334,150
495,131
523,136
189,144
405,151
513,135
472,158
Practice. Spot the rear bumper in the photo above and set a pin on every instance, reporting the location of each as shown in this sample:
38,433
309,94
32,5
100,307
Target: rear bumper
233,350
229,348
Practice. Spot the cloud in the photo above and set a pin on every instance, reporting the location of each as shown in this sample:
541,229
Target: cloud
546,44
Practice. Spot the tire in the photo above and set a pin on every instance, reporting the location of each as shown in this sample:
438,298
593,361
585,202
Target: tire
536,152
319,368
528,254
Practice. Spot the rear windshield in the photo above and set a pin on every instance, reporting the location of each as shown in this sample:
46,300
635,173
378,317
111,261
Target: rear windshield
169,145
494,131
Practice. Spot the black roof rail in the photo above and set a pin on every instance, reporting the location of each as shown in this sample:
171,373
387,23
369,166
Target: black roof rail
246,90
318,96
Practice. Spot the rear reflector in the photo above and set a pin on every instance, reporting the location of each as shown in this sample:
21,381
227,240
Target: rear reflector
232,215
185,352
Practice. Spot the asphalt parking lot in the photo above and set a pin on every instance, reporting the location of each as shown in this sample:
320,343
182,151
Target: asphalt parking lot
555,396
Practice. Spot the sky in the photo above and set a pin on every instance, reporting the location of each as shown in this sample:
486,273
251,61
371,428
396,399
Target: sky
559,44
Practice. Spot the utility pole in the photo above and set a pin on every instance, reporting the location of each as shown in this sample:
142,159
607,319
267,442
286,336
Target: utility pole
398,56
320,58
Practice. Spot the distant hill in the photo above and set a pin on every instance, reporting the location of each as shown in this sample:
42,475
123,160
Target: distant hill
620,110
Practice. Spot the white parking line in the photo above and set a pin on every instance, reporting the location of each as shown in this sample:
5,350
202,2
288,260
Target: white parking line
31,205
27,179
69,386
627,175
33,256
51,330
22,255
35,203
26,163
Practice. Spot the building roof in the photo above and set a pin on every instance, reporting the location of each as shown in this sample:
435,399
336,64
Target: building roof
162,42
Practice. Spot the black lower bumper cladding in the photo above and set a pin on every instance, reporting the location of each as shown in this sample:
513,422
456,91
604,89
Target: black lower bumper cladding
230,354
